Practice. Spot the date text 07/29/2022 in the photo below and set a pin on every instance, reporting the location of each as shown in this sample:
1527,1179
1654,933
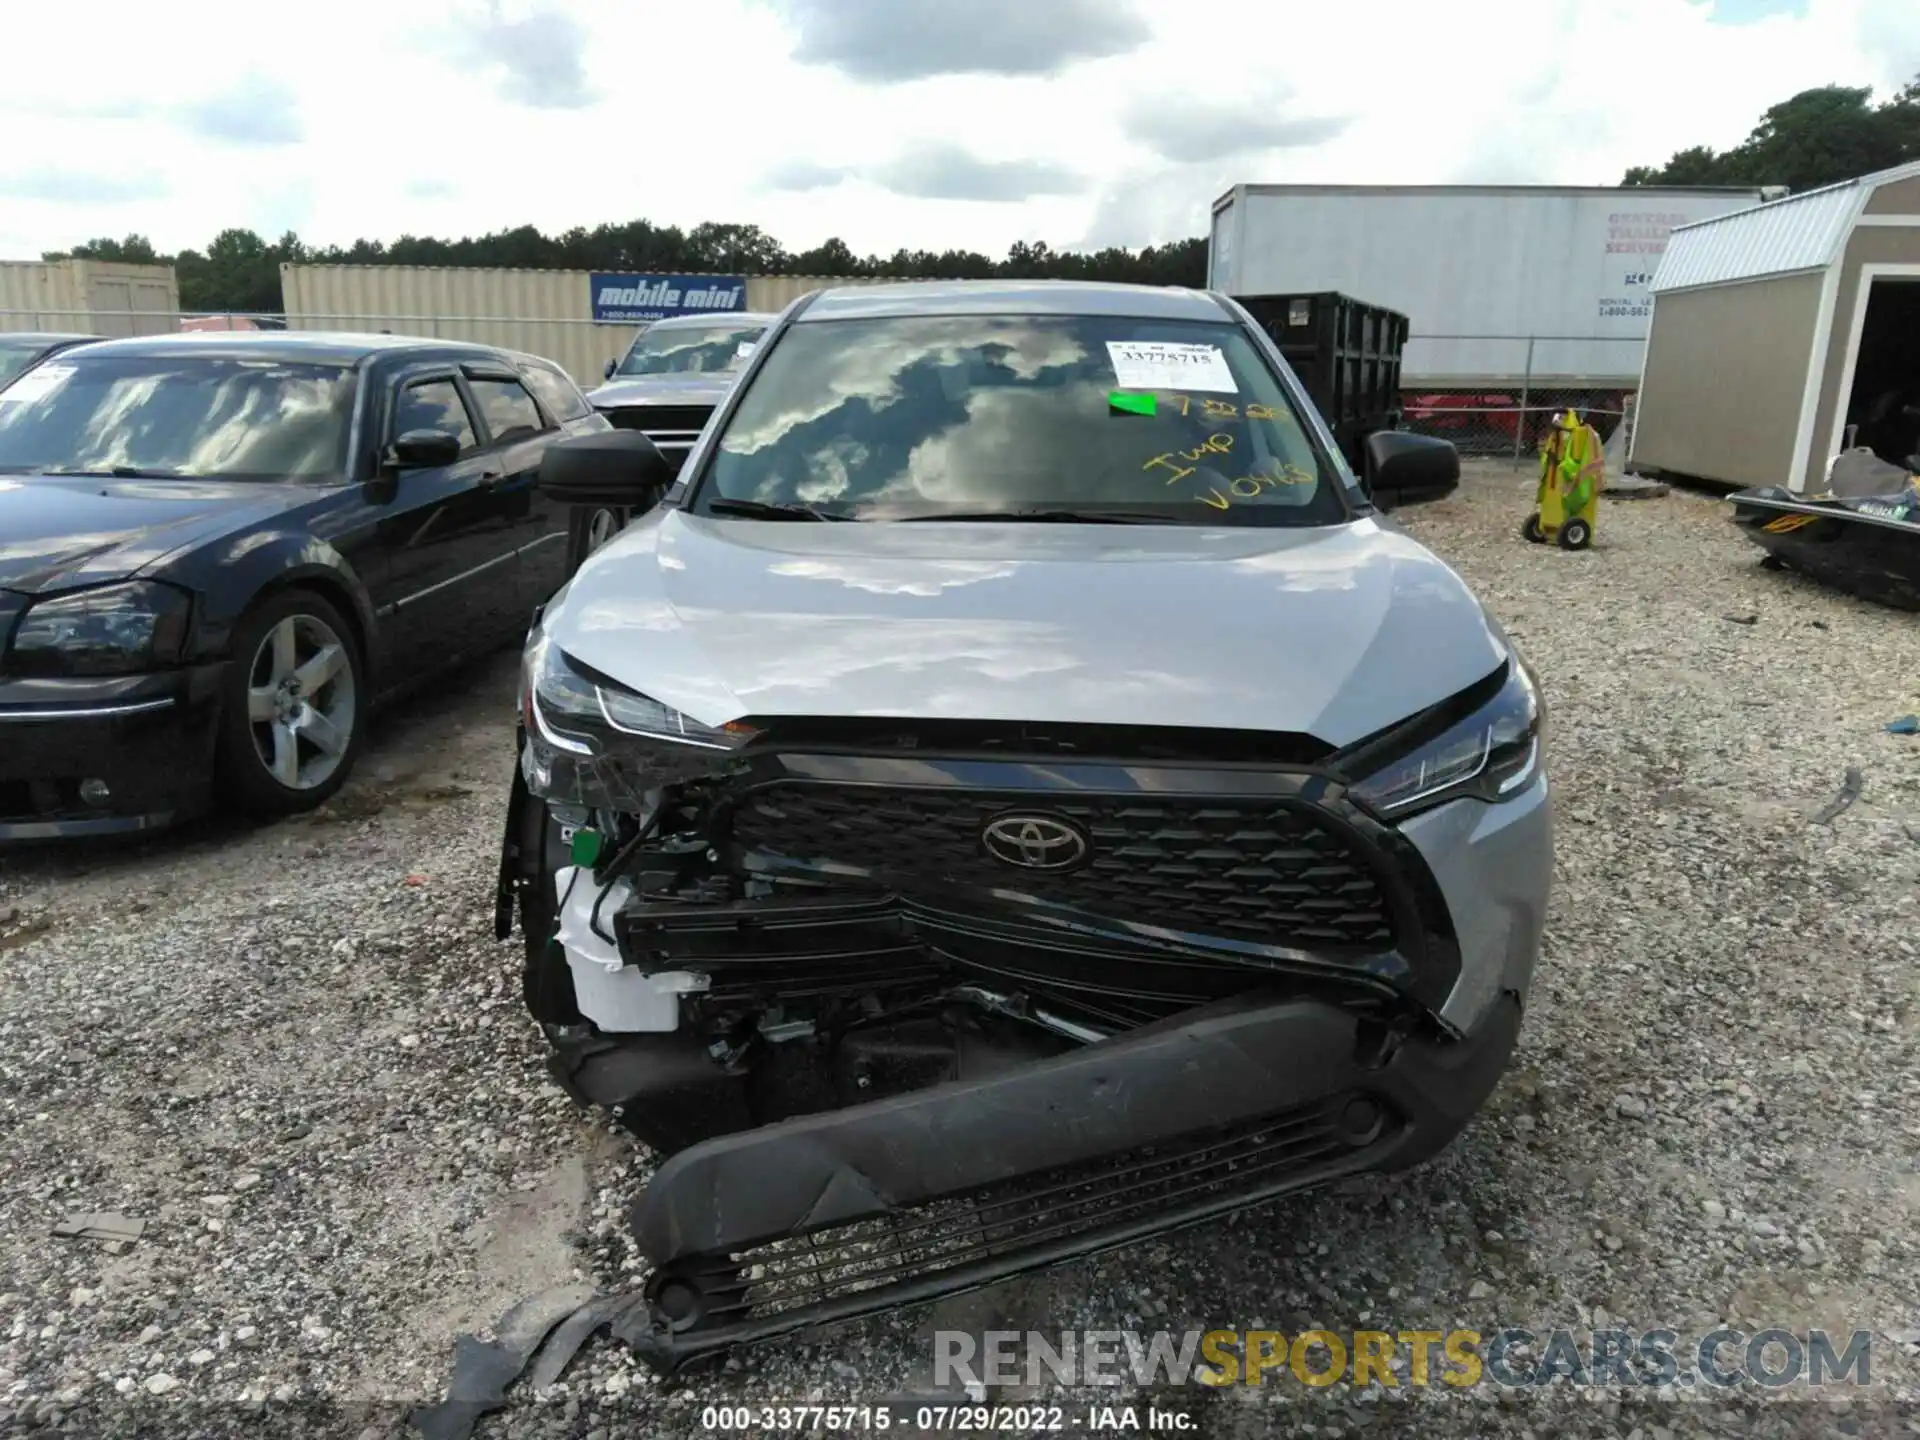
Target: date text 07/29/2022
960,1418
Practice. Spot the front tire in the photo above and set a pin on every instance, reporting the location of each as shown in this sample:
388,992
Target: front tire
294,709
588,530
1575,535
603,526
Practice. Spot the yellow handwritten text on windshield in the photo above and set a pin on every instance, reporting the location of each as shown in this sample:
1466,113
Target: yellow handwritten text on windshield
1226,410
1256,484
1214,444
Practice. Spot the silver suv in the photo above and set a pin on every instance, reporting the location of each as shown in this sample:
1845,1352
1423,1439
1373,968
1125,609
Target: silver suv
674,374
1012,795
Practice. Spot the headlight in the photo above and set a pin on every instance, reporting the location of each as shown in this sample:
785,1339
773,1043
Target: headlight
591,741
115,630
1491,754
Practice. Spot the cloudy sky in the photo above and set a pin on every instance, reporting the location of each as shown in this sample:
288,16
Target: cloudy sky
887,122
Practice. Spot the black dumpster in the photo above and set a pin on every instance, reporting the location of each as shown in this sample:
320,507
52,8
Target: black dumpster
1347,353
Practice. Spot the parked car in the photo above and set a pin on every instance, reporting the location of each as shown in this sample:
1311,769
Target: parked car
20,352
195,323
674,374
222,551
1014,795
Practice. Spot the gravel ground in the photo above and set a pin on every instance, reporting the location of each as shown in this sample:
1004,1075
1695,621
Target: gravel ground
297,1054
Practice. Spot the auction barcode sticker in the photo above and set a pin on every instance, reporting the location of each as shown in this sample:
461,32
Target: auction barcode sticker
1168,365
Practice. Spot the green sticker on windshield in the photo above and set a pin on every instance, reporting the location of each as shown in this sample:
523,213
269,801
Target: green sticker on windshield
1119,402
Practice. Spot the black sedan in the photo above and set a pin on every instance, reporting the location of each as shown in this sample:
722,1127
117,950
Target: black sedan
20,351
219,552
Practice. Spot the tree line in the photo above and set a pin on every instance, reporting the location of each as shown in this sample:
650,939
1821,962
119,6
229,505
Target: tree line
1817,137
240,271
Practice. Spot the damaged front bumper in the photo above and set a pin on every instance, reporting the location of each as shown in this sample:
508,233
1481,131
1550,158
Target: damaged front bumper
1256,986
842,1214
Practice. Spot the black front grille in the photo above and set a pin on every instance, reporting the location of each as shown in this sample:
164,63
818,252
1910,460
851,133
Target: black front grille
689,419
1257,870
1144,1185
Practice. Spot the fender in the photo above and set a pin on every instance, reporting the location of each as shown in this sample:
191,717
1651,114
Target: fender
263,561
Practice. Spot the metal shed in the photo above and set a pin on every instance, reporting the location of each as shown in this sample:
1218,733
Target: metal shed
1782,334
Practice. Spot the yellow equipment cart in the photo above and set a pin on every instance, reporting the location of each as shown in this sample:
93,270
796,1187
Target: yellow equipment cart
1571,470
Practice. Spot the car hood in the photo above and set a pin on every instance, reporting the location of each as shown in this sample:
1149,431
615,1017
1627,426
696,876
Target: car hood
60,531
662,390
1333,631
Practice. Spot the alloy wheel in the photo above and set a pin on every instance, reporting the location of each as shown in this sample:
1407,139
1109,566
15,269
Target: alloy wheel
602,528
301,702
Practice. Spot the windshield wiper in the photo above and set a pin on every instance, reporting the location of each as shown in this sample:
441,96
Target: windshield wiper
767,510
122,472
1060,517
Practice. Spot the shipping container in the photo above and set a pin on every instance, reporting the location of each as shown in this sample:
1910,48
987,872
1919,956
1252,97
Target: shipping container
776,292
1502,285
89,297
543,312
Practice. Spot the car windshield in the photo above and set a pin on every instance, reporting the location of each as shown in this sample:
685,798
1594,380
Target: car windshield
691,349
181,416
16,355
1041,417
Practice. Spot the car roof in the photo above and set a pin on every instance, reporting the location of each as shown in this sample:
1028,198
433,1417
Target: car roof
1014,297
312,346
745,317
45,337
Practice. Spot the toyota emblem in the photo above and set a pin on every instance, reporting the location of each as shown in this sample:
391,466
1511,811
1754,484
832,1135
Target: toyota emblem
1035,842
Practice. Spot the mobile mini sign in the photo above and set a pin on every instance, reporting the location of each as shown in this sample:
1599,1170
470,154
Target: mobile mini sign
624,299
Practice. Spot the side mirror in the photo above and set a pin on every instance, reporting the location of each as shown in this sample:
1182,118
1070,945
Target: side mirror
1403,468
612,365
612,468
420,449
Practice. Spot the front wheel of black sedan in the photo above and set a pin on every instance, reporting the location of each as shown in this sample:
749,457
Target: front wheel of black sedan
294,708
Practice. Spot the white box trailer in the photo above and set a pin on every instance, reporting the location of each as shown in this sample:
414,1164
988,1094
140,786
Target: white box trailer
1502,284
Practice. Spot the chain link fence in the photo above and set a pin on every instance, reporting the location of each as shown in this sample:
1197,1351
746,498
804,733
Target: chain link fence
1493,396
1496,395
